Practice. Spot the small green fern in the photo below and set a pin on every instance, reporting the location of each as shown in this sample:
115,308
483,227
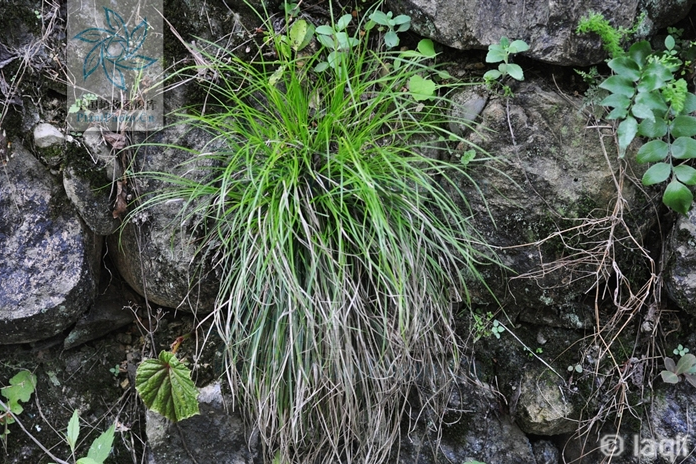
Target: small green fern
612,38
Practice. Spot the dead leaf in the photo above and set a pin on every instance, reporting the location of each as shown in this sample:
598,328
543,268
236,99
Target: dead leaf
121,203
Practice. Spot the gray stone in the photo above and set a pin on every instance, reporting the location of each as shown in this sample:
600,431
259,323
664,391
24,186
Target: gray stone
86,182
545,452
680,275
156,252
46,135
664,435
48,257
543,406
467,105
548,27
213,436
467,437
549,172
106,315
50,144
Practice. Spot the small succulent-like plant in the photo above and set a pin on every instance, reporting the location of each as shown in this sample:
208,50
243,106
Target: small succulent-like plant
686,367
680,350
576,367
497,329
393,24
501,53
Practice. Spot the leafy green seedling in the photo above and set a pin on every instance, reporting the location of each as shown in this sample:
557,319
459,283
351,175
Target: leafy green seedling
400,23
577,368
165,386
685,367
82,104
648,101
501,53
291,9
680,350
299,36
336,39
497,329
100,448
21,387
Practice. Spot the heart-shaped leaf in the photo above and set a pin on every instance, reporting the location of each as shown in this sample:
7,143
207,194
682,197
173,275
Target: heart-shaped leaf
421,88
165,386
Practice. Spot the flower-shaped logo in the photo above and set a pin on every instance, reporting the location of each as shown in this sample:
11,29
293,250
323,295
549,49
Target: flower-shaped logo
116,49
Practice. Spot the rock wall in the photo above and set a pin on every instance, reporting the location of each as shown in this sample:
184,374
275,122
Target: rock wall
66,265
548,27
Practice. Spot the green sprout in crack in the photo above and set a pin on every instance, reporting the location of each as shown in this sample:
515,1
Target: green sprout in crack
497,329
680,350
577,368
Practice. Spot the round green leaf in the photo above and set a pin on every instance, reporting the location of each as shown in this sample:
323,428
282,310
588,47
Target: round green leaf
165,386
421,88
684,148
625,66
684,126
653,129
678,197
326,30
685,364
493,74
685,174
518,46
619,84
653,151
496,54
669,377
391,39
515,71
343,21
657,173
427,48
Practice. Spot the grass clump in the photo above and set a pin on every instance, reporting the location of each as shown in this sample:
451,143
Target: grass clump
339,244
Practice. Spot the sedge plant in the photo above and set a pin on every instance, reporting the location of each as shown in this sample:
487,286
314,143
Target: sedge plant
339,244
